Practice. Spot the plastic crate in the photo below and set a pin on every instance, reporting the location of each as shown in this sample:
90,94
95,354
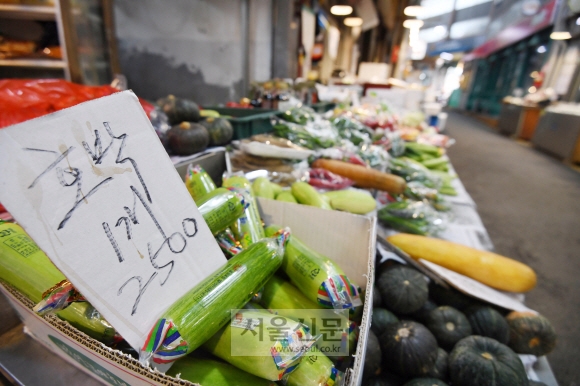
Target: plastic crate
247,122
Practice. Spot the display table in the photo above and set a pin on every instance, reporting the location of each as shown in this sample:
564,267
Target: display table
558,132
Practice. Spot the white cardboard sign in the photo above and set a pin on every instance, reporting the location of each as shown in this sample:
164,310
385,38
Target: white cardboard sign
94,187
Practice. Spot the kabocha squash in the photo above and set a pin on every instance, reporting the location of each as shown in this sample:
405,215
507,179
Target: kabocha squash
425,382
381,319
220,130
481,361
409,349
188,138
403,289
179,110
448,325
373,357
422,313
489,268
451,297
441,368
531,333
486,321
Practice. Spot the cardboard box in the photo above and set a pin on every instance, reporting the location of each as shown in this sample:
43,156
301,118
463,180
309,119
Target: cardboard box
347,238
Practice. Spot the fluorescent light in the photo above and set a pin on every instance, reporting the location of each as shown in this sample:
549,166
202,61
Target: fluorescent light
412,10
440,29
578,21
532,90
446,56
560,35
541,49
341,10
413,23
353,21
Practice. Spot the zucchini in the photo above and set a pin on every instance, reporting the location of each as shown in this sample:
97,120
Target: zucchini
350,200
26,267
212,372
222,209
261,187
318,277
248,228
198,182
286,196
207,307
266,345
307,195
315,369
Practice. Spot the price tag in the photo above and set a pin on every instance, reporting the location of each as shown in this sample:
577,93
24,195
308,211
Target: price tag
94,187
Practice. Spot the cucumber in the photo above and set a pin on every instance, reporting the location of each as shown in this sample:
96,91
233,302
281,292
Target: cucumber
198,182
315,369
305,194
316,276
212,372
222,209
353,201
26,267
207,307
286,196
260,350
248,228
261,187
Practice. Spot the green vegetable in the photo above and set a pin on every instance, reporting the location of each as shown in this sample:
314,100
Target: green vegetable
26,267
198,182
213,373
221,210
248,228
315,369
276,188
263,188
307,195
353,201
448,325
286,196
207,307
403,290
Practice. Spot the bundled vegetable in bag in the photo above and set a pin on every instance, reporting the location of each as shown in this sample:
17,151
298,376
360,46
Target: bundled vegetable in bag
198,182
415,217
202,311
221,208
317,276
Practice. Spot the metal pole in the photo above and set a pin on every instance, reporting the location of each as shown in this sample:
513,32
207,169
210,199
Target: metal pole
245,45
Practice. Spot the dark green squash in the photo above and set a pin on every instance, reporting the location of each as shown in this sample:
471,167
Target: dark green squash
381,319
441,368
486,321
220,130
403,289
422,313
451,297
188,138
448,325
531,333
377,301
425,382
179,110
372,365
409,349
481,361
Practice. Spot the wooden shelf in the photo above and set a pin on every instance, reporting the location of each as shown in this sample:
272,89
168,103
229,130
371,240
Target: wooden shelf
33,63
28,12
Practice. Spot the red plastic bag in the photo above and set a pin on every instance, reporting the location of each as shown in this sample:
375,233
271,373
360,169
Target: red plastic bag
24,99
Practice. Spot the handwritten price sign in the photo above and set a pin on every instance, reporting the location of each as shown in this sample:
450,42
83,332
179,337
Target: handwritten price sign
93,186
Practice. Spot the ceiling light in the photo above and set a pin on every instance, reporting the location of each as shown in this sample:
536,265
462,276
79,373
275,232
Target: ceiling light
532,90
446,56
353,21
440,29
541,49
560,35
341,10
578,21
412,10
413,23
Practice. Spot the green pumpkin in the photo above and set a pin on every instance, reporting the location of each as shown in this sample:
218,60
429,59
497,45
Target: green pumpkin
425,382
531,333
220,130
381,319
179,110
403,289
422,313
451,297
408,348
372,365
187,138
448,325
486,321
481,361
441,368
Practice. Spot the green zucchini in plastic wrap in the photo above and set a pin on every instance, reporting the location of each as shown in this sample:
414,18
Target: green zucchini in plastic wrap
317,276
222,209
266,345
284,299
315,369
207,307
26,267
248,228
198,182
210,372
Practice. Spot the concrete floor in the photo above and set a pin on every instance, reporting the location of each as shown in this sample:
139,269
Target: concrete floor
530,205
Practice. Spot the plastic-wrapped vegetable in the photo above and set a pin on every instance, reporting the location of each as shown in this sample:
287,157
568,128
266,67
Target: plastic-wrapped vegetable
299,135
353,130
414,217
26,267
266,345
248,228
317,276
203,310
222,209
315,369
324,179
198,182
300,115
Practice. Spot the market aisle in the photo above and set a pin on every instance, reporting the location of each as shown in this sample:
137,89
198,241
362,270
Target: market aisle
530,205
